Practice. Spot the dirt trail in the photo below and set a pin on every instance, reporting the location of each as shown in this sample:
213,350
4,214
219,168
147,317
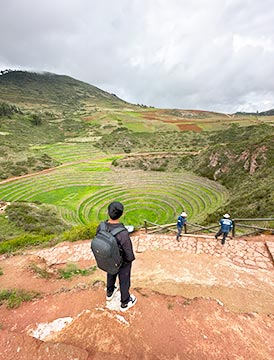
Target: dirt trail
190,305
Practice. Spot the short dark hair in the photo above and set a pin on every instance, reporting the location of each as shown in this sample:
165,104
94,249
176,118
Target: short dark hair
115,210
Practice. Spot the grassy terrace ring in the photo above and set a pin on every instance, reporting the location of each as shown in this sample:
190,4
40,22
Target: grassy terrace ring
81,193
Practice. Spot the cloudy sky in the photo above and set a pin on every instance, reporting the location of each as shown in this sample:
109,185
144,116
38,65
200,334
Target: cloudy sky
188,54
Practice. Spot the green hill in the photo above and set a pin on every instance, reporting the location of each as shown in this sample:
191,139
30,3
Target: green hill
43,91
88,138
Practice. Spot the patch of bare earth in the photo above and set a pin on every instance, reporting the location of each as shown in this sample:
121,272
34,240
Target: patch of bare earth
190,306
189,127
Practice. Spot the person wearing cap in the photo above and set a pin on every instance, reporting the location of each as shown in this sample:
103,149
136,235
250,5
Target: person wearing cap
226,226
181,222
115,211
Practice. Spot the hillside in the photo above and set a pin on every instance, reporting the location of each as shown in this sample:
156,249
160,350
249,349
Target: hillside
242,159
262,113
73,140
47,91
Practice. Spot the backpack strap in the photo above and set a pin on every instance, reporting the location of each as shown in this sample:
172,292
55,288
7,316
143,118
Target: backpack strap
103,226
117,230
114,232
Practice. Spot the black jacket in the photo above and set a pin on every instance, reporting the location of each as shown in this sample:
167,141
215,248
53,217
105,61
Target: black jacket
123,241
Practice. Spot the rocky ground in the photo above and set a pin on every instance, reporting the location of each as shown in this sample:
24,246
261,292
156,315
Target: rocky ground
197,299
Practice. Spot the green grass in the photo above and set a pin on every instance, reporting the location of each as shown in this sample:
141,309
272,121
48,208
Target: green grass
72,270
80,232
15,297
69,152
154,196
68,197
11,245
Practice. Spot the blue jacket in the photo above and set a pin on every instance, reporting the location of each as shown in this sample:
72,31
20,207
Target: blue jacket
226,225
181,221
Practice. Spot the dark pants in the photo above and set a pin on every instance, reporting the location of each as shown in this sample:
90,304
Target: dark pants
224,235
179,232
124,281
180,229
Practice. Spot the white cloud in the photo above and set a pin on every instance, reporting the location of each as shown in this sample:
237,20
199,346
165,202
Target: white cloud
261,42
206,54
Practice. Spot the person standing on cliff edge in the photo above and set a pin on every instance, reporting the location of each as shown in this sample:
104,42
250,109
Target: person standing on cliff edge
115,211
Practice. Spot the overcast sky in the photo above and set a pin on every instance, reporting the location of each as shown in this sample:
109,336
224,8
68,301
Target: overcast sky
189,54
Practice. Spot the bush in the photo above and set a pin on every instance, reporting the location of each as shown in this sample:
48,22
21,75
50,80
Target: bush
24,165
35,120
22,241
8,110
80,232
31,218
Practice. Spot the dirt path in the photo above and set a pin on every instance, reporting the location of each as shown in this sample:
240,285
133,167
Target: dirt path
45,171
190,305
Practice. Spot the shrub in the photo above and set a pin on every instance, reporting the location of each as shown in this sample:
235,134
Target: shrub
23,241
31,218
25,165
80,232
35,120
18,170
8,110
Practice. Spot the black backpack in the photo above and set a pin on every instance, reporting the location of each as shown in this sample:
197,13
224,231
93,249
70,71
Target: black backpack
106,250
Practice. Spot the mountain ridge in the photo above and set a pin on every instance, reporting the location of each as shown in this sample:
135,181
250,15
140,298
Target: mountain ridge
57,90
23,78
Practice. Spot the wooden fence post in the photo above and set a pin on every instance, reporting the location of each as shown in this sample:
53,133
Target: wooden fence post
145,225
233,228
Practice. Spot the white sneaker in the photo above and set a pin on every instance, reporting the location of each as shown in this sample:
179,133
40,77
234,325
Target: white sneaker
111,295
132,302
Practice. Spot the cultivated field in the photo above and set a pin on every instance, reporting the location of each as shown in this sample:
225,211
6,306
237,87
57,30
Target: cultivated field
81,189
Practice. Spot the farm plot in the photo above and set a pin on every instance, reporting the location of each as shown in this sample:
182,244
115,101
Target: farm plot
70,152
82,192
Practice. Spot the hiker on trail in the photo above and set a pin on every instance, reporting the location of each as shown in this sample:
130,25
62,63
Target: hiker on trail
115,211
226,226
181,222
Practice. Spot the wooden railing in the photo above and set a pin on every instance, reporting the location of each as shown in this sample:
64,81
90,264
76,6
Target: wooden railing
241,227
252,226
